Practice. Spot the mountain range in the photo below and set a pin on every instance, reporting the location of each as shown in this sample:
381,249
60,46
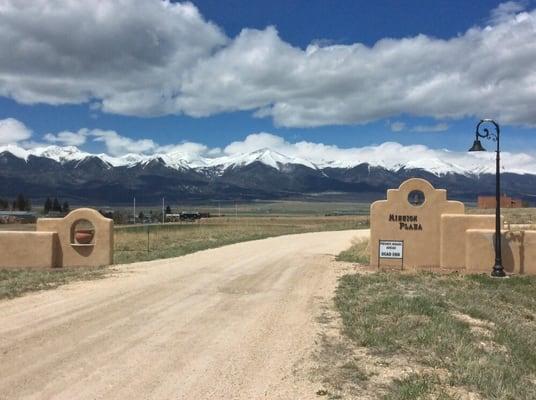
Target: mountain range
85,178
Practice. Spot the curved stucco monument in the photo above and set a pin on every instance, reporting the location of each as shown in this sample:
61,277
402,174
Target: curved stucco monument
411,214
83,238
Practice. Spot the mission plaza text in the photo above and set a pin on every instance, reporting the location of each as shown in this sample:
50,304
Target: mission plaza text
406,222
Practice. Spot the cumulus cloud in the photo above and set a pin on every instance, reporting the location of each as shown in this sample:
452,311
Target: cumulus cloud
256,141
486,71
118,145
67,138
184,147
504,11
160,58
128,57
13,131
188,151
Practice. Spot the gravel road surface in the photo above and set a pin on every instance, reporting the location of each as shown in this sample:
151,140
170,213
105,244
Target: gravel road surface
236,322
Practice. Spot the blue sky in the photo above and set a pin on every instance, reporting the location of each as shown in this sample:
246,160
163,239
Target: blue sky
298,24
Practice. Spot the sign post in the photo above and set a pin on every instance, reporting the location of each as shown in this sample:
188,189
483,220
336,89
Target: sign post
391,249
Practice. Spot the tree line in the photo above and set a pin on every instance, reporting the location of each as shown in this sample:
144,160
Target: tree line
21,203
54,205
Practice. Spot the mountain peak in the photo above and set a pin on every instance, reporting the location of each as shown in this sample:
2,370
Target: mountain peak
59,153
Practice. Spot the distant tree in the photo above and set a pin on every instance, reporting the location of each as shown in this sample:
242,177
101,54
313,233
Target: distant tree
28,205
120,218
4,204
14,205
65,207
48,206
141,216
19,203
56,205
168,210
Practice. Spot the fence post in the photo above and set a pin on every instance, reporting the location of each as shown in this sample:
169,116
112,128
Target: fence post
148,231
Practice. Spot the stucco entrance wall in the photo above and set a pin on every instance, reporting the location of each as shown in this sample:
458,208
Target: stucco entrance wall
70,253
435,232
518,251
84,238
27,249
419,226
453,239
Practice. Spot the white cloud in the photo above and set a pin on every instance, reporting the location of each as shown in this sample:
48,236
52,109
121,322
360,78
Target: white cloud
399,126
159,57
505,11
439,127
486,71
13,131
184,147
67,138
256,141
118,145
128,56
188,151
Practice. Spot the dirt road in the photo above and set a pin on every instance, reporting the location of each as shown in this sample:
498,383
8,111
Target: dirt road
237,322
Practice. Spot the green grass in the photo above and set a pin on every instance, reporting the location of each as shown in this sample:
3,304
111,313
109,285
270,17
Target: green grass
357,253
142,243
412,387
478,329
15,282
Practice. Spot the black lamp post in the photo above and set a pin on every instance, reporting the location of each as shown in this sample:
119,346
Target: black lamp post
498,269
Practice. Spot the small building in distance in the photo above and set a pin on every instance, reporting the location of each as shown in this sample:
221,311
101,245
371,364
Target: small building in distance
506,202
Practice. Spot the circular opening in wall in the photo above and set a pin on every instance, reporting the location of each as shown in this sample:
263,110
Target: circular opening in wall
82,232
416,198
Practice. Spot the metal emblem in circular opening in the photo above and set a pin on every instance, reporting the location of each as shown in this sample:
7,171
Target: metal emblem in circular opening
416,198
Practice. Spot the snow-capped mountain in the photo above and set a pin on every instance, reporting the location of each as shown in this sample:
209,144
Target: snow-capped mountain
265,156
441,162
71,173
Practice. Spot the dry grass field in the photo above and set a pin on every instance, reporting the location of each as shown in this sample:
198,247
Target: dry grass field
15,282
358,253
432,336
263,208
149,242
424,335
524,216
